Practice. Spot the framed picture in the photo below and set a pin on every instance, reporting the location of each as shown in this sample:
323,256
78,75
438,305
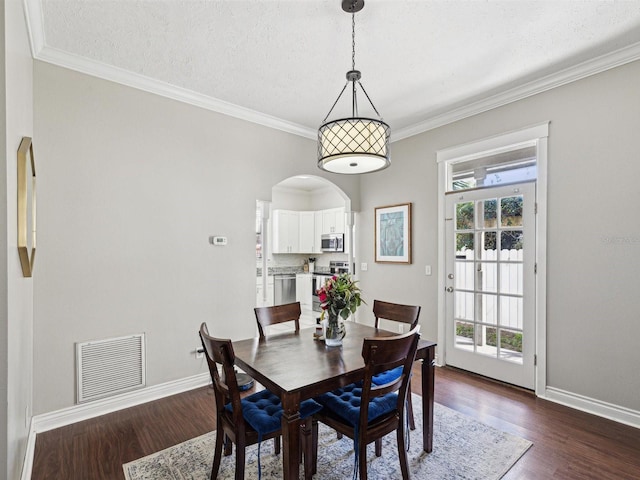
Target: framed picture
393,234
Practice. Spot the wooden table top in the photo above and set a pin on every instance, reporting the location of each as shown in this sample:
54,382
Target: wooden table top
290,363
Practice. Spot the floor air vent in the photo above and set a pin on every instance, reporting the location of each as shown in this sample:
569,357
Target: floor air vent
109,367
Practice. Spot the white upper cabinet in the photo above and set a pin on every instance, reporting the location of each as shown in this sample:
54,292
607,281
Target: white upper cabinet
333,220
307,235
300,232
286,231
317,232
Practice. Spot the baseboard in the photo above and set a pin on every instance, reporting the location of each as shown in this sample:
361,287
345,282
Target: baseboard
77,413
593,406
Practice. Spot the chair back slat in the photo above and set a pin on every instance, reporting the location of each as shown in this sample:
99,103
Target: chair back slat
381,353
266,316
396,312
221,361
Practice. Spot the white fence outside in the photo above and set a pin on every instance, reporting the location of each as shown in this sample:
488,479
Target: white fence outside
501,274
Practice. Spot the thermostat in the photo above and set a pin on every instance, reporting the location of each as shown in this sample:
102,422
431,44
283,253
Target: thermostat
218,240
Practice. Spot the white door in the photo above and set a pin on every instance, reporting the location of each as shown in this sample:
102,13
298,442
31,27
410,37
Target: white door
490,282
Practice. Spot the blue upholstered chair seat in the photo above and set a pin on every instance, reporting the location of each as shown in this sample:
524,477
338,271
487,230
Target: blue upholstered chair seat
345,402
387,377
263,411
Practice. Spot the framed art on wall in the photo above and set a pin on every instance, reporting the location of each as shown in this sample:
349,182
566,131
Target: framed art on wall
393,233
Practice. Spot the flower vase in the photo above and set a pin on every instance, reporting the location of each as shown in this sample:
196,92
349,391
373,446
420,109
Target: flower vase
334,331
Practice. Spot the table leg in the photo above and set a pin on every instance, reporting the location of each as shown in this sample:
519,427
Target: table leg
428,382
291,437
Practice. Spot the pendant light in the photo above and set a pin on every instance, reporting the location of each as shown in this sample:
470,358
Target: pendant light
355,144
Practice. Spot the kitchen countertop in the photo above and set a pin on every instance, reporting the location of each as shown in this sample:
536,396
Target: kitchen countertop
293,270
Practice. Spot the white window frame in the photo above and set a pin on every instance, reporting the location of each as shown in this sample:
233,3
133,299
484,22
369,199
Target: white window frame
535,134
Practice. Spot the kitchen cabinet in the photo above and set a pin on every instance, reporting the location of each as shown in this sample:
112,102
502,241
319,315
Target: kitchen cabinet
307,232
300,231
333,220
317,246
303,290
286,231
260,302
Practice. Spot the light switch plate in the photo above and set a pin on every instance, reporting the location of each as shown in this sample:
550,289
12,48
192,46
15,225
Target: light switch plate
427,270
363,267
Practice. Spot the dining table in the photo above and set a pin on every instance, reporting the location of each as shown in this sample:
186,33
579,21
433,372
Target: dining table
296,367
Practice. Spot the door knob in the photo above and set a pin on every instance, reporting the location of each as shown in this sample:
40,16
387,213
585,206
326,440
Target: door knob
450,276
449,289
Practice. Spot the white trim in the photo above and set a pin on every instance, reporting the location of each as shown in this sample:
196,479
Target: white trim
442,174
541,264
493,144
534,134
35,25
27,464
151,85
40,51
607,410
585,69
77,413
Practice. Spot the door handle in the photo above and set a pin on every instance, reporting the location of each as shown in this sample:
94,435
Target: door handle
449,289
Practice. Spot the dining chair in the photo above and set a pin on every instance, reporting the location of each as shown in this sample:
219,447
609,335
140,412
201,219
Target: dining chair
266,316
272,315
252,419
396,312
366,412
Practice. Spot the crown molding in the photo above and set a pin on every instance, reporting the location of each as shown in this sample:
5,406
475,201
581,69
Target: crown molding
42,52
141,82
582,70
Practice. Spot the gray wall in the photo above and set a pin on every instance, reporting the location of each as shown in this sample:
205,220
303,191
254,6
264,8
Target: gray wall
593,307
16,297
131,185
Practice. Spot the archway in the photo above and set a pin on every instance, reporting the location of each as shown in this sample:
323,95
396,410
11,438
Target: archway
290,227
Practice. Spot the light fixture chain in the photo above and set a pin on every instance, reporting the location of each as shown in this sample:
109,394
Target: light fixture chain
353,41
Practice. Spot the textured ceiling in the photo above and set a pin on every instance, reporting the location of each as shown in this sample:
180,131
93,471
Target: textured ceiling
287,59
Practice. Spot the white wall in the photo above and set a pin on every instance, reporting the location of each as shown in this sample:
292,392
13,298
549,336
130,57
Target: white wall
17,319
131,185
593,232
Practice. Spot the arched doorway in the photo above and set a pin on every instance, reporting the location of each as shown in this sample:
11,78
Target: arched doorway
290,261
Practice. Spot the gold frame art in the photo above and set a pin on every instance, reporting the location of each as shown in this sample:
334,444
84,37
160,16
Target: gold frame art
26,206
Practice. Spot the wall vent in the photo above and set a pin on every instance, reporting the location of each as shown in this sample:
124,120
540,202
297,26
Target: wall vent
109,367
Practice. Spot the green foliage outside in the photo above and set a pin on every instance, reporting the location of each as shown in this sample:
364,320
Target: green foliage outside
508,340
510,215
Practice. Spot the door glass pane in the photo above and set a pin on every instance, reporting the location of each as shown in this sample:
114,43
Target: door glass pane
490,213
487,277
464,335
464,276
511,211
463,308
488,245
464,246
511,312
511,345
511,278
488,308
511,244
486,340
464,216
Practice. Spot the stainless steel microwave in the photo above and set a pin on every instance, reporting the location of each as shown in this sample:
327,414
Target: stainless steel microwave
332,242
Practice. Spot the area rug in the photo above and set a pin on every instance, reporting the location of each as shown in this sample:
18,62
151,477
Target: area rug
463,449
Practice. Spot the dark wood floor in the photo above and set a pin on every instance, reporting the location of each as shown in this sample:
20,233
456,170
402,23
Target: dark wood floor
568,444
